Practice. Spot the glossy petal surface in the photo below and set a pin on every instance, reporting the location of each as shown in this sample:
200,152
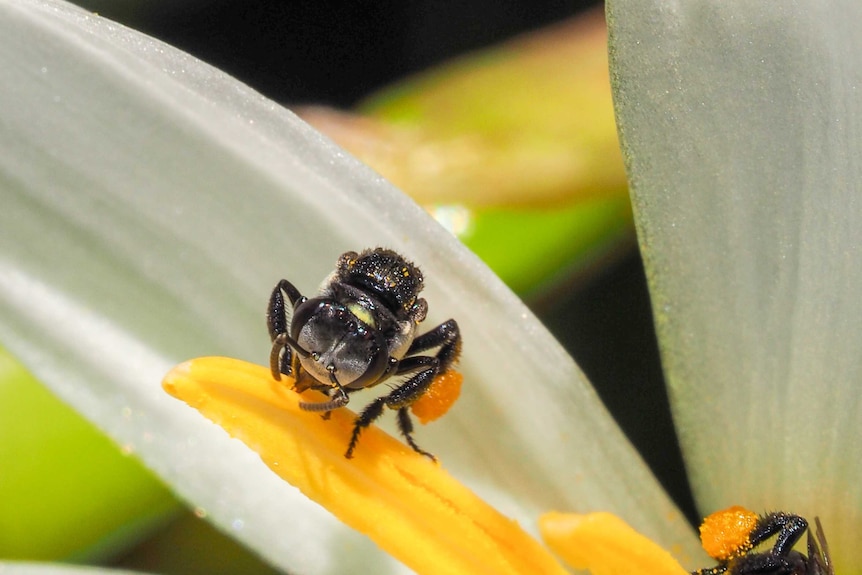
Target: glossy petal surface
740,122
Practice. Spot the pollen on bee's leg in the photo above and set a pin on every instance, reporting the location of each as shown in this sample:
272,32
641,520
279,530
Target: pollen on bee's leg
440,396
726,533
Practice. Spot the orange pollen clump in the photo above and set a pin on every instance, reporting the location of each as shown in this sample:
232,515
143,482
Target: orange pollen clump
725,534
442,393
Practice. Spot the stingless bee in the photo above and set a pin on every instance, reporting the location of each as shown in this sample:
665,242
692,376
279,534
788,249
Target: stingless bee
359,331
731,535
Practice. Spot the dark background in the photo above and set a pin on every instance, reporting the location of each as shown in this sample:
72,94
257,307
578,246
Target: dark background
334,53
331,52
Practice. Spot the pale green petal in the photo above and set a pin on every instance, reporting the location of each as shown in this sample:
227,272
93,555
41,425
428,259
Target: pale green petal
150,203
742,125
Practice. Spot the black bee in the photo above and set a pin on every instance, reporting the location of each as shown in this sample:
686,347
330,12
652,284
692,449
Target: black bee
359,331
781,559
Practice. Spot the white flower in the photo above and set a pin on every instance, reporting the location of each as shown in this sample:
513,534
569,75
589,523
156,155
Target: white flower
150,203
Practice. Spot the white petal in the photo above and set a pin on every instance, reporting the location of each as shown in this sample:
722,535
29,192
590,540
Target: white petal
150,203
742,123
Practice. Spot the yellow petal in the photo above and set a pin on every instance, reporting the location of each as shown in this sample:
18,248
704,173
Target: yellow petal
606,545
408,505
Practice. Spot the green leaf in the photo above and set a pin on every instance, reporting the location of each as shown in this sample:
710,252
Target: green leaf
66,492
534,249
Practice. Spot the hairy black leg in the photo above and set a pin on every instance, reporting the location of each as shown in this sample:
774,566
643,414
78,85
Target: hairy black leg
447,337
412,389
281,357
277,312
405,426
371,412
399,398
788,528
